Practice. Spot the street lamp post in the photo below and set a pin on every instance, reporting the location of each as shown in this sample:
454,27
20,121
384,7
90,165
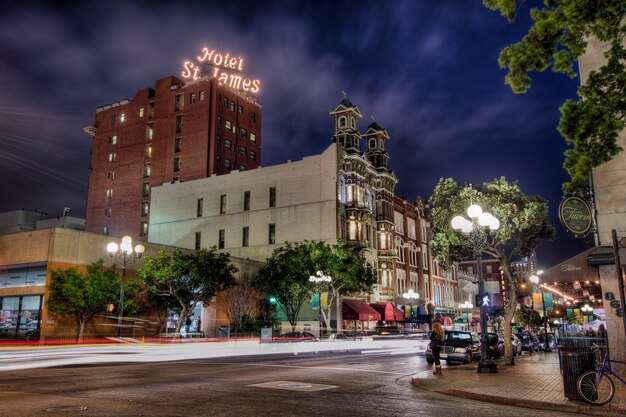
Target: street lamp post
320,280
124,255
467,306
411,295
535,280
478,228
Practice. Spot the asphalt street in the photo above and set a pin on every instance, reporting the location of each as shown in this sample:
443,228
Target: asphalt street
307,384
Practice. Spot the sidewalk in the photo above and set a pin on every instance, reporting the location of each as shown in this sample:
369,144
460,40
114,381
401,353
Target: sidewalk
534,382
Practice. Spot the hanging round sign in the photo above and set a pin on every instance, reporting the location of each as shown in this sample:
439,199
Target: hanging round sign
575,215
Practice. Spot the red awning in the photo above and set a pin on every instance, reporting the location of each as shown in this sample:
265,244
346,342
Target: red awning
359,310
388,311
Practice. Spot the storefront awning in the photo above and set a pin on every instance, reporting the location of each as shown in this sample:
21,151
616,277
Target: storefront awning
388,312
359,310
574,277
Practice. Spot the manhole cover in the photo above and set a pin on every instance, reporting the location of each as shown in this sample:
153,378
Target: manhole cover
294,386
65,409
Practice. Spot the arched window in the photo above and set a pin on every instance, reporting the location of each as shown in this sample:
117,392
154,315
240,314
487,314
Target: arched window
372,143
343,121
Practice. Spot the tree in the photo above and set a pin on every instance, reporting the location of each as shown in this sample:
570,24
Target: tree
559,36
242,302
83,296
350,274
523,221
187,279
286,273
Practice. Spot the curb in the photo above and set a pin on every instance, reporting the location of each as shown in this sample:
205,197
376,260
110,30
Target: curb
571,408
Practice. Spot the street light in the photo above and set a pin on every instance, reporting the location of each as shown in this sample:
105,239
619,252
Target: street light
535,280
411,295
467,306
479,228
320,280
124,255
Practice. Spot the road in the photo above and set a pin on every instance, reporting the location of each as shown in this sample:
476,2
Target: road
376,383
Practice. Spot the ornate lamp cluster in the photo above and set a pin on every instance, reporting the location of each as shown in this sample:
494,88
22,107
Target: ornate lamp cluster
479,226
124,255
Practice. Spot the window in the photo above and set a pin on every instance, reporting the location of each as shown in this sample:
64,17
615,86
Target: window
222,238
105,230
219,120
179,123
223,204
242,151
219,139
111,175
192,98
241,109
272,234
243,133
113,140
141,112
122,118
107,212
178,102
232,106
488,269
425,259
147,152
145,190
246,200
272,196
227,144
253,116
242,168
342,122
112,157
225,102
218,161
198,244
253,155
178,163
226,163
178,145
202,95
110,192
199,207
253,137
146,169
113,119
144,208
149,131
228,125
244,240
143,228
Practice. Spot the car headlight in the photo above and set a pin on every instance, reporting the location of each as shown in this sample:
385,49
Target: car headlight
460,350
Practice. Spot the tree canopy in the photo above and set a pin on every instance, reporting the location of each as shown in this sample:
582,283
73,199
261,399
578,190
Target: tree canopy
285,275
186,279
83,296
523,221
559,36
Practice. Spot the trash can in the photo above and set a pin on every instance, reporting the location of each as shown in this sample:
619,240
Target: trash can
575,361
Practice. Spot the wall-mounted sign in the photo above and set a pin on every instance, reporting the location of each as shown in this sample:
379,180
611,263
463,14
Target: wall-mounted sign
221,67
575,215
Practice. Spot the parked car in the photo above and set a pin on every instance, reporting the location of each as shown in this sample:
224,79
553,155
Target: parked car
517,345
551,341
335,337
298,337
529,342
457,345
495,346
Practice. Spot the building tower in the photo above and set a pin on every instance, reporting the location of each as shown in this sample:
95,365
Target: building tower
178,131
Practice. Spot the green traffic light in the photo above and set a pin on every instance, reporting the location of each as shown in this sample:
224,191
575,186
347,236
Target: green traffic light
273,300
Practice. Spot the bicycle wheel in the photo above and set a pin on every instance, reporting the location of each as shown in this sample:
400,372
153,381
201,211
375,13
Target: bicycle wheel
596,387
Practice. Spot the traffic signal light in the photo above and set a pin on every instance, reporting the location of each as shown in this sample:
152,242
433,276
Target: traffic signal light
273,300
483,300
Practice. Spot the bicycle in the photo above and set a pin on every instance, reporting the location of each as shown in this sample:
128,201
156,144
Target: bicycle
594,386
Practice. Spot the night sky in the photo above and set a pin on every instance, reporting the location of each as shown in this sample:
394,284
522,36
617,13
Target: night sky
426,70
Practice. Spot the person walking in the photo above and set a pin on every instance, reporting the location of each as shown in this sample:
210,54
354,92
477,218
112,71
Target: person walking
436,338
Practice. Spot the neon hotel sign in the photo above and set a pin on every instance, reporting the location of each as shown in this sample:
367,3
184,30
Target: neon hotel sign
223,65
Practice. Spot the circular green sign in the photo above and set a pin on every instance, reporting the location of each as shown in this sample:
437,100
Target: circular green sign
575,215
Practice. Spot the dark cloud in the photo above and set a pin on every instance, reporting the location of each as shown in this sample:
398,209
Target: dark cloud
427,71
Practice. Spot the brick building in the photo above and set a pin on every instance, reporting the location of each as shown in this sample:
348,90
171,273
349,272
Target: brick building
178,131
